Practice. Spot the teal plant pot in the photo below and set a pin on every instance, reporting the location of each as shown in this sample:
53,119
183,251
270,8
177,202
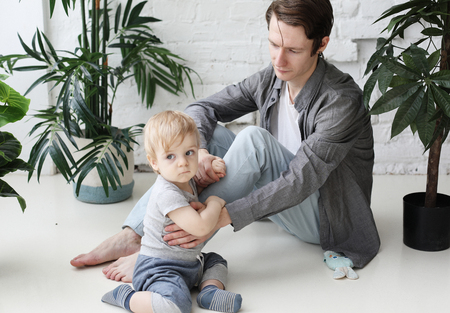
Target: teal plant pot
97,194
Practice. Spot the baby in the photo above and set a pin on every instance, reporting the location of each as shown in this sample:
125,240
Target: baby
164,275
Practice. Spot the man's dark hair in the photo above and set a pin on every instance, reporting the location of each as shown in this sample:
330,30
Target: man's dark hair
316,17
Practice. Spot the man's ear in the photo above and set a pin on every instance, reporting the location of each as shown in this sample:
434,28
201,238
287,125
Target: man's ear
323,44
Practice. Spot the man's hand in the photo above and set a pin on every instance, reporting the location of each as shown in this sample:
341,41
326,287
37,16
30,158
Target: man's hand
182,238
185,240
208,173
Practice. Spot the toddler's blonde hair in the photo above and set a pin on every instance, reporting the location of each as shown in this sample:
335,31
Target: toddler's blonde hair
164,129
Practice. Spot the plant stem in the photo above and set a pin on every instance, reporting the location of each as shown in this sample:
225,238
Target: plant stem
435,150
85,43
433,171
104,103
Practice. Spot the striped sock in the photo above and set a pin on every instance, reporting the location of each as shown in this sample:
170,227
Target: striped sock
120,296
216,299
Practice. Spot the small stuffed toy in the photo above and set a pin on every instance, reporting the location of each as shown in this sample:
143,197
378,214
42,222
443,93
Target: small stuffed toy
341,265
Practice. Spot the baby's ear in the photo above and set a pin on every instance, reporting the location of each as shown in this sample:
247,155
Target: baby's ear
153,163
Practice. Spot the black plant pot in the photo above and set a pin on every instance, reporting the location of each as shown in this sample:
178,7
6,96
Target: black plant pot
426,229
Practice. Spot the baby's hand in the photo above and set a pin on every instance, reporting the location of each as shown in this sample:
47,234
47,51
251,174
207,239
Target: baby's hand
219,167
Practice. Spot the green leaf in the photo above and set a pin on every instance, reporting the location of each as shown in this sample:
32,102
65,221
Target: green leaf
400,69
10,148
442,99
7,191
117,18
420,60
433,59
103,174
16,165
127,11
425,127
52,7
412,4
43,79
31,68
112,171
117,163
393,98
407,112
135,12
39,151
384,79
28,50
441,78
52,50
432,31
398,81
41,46
16,105
85,170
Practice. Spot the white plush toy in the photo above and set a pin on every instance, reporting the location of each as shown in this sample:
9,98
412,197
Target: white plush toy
341,265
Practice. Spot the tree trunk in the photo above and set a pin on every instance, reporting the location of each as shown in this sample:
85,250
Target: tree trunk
435,150
433,172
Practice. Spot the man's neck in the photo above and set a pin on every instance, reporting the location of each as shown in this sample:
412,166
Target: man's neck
295,87
293,91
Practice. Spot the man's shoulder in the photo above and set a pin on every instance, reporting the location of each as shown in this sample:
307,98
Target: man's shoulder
340,82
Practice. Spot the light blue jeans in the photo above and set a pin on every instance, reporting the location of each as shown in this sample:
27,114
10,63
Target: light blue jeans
239,153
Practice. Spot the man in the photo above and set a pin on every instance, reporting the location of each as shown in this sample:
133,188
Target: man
314,149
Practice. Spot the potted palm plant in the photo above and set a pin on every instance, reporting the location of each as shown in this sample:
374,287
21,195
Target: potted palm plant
13,107
415,80
87,84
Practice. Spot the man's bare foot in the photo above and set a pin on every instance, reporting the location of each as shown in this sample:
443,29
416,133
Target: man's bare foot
124,243
122,269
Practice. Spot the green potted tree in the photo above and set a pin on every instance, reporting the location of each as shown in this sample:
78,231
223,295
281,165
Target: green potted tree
415,80
87,86
13,107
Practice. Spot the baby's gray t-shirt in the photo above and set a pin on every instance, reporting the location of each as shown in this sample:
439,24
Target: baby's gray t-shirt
166,197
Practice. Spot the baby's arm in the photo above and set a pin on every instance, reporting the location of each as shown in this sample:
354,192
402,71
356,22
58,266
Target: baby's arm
195,223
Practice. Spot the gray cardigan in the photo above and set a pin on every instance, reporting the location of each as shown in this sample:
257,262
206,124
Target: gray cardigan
336,155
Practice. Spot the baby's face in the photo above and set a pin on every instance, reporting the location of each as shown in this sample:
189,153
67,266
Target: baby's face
180,163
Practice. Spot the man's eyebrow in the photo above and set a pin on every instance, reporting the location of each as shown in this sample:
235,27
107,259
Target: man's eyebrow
289,48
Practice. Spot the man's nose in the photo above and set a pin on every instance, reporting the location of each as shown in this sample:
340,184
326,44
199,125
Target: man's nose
280,59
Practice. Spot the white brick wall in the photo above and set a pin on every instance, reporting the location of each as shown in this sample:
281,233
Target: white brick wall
225,41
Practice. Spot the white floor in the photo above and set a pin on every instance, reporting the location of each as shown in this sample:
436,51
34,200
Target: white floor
272,270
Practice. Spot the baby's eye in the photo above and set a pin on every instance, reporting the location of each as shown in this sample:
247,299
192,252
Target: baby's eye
170,157
190,152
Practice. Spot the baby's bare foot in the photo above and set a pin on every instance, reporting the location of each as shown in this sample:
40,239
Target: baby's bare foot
122,269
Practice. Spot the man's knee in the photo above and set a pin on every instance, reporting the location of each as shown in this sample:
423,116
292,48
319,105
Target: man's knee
254,134
221,141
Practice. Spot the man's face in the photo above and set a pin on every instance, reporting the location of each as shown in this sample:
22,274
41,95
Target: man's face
290,52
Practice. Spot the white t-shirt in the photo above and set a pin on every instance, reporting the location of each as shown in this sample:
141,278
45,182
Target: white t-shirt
284,122
165,198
